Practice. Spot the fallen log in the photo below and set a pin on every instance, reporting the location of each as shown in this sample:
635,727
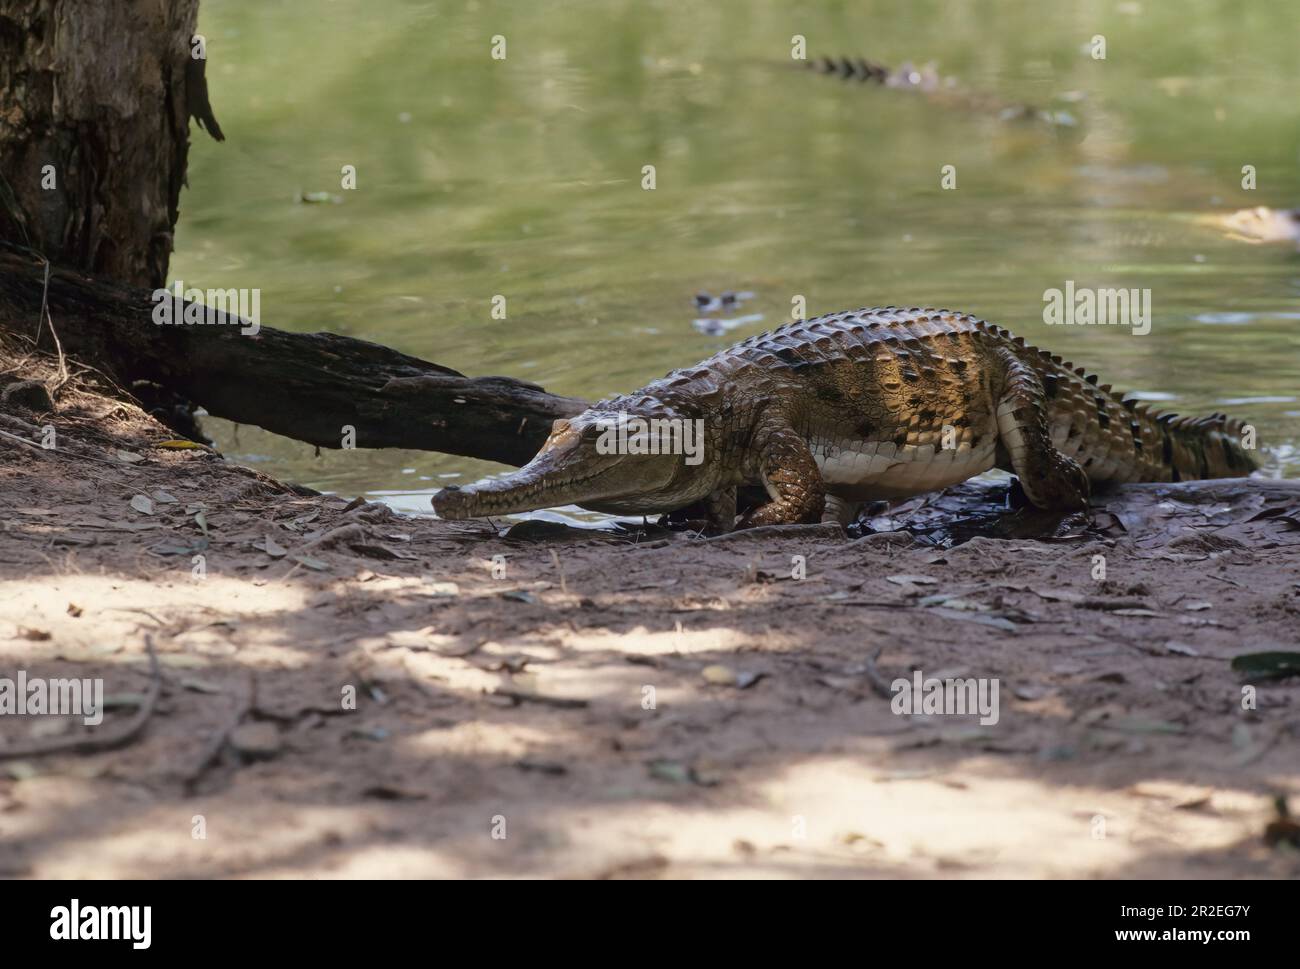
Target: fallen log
307,386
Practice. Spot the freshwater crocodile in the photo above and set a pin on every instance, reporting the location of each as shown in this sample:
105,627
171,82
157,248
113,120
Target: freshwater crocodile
935,87
1259,225
856,406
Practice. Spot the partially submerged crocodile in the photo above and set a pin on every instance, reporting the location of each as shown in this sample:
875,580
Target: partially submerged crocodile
1260,224
856,406
928,81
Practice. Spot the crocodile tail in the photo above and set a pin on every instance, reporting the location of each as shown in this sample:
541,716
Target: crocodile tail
1206,447
850,69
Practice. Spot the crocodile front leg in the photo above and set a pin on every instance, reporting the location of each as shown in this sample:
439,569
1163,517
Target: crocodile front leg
841,511
791,476
1050,480
721,509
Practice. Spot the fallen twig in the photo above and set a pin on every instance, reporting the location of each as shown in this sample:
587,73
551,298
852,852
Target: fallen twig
213,751
52,451
1220,578
345,534
108,740
878,683
523,696
22,440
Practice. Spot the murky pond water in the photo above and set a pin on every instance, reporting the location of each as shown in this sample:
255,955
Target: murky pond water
523,178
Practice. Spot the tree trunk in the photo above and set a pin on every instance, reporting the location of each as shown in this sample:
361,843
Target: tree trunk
305,386
95,99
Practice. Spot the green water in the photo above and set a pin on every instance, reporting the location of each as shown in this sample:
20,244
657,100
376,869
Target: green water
523,178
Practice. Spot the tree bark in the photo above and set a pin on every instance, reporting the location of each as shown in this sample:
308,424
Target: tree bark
305,386
95,100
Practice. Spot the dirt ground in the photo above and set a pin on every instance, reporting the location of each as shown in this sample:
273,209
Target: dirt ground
604,705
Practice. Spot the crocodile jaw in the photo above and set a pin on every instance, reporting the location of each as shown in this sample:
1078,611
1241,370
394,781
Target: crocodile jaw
568,473
525,490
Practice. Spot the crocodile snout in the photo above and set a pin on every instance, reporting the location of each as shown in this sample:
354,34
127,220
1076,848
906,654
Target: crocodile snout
450,502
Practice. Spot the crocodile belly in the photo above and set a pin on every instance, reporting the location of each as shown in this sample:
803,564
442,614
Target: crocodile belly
871,470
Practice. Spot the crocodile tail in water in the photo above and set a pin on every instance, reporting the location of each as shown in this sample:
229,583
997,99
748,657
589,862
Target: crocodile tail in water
934,86
850,69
